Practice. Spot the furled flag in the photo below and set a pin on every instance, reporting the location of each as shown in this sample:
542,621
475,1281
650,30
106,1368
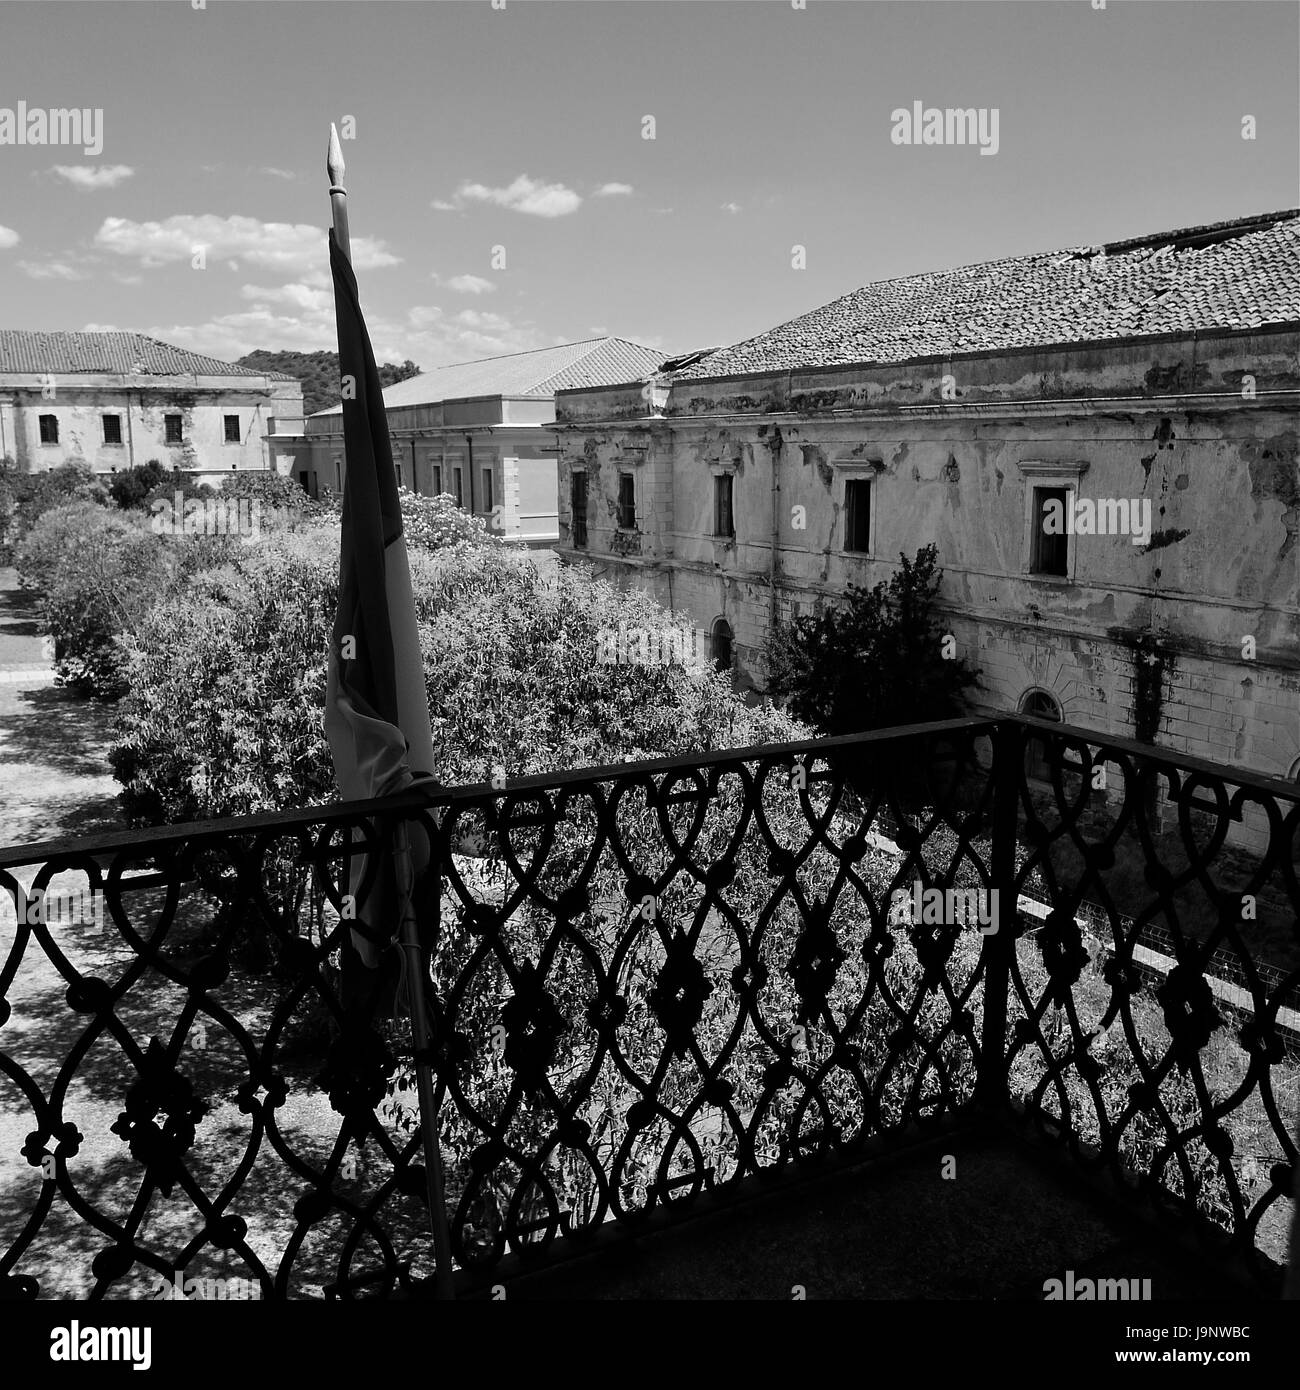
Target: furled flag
376,709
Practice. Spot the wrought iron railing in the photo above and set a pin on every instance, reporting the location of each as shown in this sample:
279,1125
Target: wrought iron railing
652,986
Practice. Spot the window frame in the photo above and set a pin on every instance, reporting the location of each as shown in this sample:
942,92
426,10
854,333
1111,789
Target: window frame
53,427
117,425
626,518
857,471
578,537
721,475
715,638
1039,541
859,480
239,429
1038,474
167,430
1036,767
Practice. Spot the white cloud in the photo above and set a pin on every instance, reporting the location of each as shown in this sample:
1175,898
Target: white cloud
278,173
731,207
470,284
298,295
100,328
612,190
8,238
525,195
295,248
472,318
232,335
439,206
423,333
50,270
128,279
90,177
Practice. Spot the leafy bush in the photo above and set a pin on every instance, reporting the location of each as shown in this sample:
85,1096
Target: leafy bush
227,678
279,496
99,572
24,497
132,489
875,663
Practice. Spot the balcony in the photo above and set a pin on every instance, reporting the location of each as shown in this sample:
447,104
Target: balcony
711,1027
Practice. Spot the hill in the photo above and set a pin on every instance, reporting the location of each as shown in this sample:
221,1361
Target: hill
319,373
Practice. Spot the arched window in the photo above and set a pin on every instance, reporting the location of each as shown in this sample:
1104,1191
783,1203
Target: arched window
1038,704
721,652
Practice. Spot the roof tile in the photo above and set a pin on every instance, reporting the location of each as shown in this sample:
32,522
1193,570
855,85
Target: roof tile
1238,274
542,372
111,353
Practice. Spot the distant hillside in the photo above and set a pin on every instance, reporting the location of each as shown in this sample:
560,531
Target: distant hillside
319,373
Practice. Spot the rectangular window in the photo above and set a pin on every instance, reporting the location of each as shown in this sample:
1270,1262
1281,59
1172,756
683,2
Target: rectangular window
232,429
172,424
435,474
487,489
627,501
397,467
112,429
857,515
458,486
724,523
49,429
578,508
1049,550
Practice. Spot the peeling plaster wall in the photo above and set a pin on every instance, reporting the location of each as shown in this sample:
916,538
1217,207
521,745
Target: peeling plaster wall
1158,421
79,404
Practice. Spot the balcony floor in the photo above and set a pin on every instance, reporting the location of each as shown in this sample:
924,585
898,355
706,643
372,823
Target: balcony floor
1007,1222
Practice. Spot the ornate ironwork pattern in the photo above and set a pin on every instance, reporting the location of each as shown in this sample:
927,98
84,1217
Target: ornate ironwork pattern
1147,1032
649,983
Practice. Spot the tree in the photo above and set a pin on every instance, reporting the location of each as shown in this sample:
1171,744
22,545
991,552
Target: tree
319,373
132,489
882,660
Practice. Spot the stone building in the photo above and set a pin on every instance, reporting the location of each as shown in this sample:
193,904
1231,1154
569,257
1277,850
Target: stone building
114,400
481,432
1101,441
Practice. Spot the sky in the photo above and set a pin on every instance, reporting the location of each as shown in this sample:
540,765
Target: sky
503,194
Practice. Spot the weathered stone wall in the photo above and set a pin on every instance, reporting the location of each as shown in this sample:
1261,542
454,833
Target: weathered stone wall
79,405
1190,637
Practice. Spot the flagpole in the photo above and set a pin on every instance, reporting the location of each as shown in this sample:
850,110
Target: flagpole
416,971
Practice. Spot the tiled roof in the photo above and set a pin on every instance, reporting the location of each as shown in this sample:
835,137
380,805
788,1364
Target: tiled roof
113,353
1231,275
594,362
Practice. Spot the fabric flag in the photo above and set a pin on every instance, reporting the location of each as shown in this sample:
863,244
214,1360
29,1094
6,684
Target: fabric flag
376,708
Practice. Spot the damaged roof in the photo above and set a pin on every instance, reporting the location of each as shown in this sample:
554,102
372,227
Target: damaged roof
1239,274
112,353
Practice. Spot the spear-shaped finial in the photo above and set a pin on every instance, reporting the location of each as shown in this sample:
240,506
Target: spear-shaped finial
335,167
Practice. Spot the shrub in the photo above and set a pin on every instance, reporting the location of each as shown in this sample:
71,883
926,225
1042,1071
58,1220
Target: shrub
279,496
132,489
877,662
99,572
24,497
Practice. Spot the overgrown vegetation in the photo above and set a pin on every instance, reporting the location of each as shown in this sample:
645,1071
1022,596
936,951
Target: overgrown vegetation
882,659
